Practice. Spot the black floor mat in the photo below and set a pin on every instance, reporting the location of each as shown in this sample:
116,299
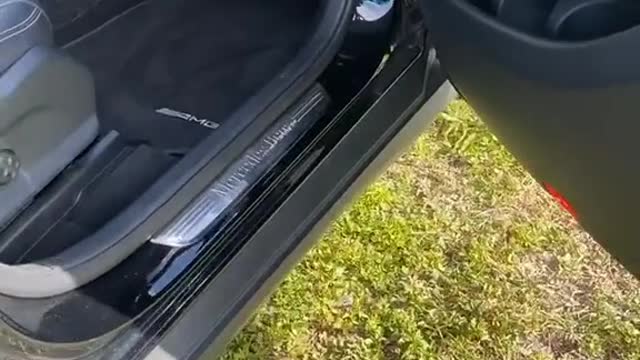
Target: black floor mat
169,73
161,70
64,12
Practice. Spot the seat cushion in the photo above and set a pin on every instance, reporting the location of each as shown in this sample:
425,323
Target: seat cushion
47,106
47,118
23,25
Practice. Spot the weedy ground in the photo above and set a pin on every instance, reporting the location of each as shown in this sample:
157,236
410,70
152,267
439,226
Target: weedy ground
454,253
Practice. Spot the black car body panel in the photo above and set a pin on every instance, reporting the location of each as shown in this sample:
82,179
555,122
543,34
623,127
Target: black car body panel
313,218
330,173
337,161
557,82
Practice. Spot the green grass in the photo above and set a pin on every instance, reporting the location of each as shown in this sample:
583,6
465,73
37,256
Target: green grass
455,253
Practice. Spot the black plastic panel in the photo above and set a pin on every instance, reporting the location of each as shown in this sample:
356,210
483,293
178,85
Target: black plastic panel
567,108
569,20
592,19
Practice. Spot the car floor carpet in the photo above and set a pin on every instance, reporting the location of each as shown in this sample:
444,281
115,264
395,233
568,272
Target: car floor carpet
194,60
169,73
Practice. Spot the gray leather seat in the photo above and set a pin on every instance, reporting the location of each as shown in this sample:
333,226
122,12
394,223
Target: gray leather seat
23,25
47,107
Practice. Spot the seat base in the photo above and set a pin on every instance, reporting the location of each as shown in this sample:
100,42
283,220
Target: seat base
47,118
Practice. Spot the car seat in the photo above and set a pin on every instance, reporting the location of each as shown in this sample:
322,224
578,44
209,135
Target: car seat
47,106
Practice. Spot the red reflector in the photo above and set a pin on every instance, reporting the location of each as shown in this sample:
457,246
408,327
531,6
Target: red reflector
560,199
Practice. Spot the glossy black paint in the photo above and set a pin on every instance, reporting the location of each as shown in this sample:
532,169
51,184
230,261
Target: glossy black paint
337,174
128,310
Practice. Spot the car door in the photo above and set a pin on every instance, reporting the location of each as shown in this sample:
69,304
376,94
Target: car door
558,81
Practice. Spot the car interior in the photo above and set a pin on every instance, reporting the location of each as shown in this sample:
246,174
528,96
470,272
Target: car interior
99,99
566,20
110,111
